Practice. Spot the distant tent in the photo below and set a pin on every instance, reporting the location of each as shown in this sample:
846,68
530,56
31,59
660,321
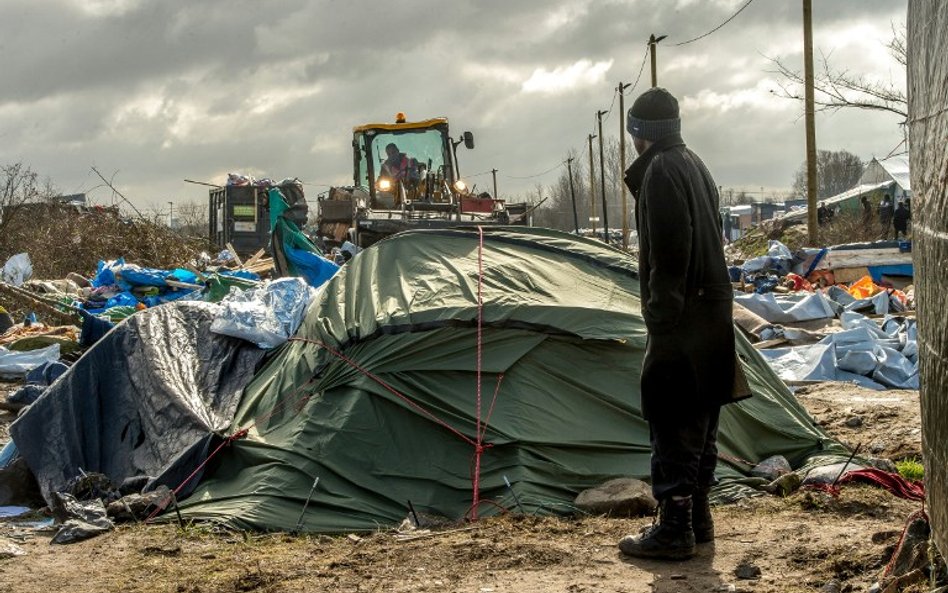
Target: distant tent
377,396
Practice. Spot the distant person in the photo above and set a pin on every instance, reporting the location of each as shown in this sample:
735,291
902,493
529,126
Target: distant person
823,214
866,213
728,225
689,369
886,211
900,220
398,165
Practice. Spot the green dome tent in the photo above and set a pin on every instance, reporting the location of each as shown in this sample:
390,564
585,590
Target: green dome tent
377,395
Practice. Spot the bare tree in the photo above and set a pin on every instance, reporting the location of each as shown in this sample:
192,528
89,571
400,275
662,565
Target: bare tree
837,89
836,171
559,208
18,186
192,219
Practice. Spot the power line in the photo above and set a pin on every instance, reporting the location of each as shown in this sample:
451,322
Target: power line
615,93
641,70
892,152
555,167
729,19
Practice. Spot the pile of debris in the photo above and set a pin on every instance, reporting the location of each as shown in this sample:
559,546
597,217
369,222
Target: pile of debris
843,313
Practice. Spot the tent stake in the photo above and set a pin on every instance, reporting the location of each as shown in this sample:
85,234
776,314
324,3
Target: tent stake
177,511
299,523
516,498
411,508
845,465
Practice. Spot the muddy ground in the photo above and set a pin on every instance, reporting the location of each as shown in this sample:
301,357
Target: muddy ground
807,542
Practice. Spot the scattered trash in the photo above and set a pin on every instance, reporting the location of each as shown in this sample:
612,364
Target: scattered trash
137,507
266,316
9,549
78,520
17,364
871,356
17,269
9,512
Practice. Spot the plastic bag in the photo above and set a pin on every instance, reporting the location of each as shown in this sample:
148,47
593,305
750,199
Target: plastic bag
18,364
80,520
17,270
266,316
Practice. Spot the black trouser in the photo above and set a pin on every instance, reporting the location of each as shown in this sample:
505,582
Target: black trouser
684,452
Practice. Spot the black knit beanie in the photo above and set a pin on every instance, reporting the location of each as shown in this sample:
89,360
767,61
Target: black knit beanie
654,115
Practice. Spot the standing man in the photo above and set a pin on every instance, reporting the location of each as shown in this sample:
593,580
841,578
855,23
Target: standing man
823,214
866,213
886,211
900,221
690,368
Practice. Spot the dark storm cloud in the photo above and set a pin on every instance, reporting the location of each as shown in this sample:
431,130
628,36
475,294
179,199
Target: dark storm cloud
165,90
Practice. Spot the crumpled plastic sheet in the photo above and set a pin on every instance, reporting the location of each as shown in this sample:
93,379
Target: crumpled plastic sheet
17,364
814,362
17,270
875,357
266,316
788,309
778,259
79,520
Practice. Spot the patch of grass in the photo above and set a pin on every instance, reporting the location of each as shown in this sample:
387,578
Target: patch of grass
911,469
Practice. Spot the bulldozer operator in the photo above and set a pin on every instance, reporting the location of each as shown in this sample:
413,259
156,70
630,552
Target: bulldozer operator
399,166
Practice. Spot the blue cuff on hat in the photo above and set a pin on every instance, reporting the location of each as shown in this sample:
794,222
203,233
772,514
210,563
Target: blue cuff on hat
652,129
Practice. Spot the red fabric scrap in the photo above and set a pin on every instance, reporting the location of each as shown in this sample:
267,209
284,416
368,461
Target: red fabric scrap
894,483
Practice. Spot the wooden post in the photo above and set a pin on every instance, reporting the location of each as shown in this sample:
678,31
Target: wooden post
592,185
810,119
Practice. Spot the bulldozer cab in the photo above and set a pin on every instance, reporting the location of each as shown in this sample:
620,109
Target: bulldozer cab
406,177
406,162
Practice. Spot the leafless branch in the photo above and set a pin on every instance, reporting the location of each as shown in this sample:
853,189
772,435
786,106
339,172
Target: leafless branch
837,89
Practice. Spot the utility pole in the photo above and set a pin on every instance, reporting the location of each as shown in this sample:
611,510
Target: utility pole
592,186
622,187
171,216
652,42
602,180
494,172
572,193
810,122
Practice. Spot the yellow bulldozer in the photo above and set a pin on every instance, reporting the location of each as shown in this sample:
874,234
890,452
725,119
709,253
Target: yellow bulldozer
405,176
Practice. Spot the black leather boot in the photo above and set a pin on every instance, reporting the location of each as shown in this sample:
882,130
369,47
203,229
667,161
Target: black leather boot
671,538
701,519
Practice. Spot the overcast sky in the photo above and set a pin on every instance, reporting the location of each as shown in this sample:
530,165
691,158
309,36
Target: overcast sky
156,91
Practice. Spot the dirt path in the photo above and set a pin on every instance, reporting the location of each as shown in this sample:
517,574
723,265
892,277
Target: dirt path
802,543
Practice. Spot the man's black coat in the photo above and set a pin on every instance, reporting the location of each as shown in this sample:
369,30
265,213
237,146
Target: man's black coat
686,293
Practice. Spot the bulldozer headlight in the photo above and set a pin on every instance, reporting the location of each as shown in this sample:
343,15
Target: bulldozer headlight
384,184
460,186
